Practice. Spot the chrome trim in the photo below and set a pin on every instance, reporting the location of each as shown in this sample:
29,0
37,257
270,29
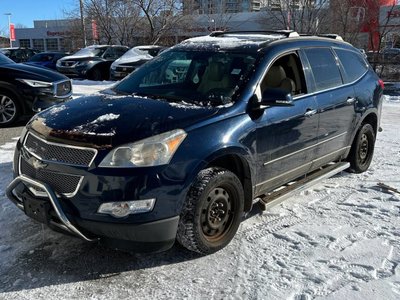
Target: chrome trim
304,149
302,166
43,194
55,89
344,149
284,174
53,200
59,145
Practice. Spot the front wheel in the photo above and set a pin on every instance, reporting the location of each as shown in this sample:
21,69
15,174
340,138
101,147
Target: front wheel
362,150
9,109
212,212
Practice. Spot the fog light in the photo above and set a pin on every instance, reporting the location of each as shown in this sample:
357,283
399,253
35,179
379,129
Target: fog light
125,208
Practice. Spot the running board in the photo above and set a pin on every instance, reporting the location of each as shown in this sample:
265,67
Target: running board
279,195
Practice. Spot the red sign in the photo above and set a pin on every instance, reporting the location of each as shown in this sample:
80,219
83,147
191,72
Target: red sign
12,32
95,34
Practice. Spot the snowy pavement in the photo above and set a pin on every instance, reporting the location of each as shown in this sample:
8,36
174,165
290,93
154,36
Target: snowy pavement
338,240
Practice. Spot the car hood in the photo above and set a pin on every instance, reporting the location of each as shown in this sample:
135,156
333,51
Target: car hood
23,71
131,59
79,58
105,121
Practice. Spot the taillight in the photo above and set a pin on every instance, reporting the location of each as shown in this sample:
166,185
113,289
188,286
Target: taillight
381,83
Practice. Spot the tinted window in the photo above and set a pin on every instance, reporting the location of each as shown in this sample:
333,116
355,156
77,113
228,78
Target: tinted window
353,64
324,67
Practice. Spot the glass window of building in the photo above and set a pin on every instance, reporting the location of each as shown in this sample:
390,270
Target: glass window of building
51,44
38,44
25,43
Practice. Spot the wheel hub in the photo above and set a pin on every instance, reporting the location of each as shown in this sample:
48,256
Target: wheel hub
216,213
7,109
364,147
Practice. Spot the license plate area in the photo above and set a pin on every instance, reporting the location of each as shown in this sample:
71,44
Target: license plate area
37,209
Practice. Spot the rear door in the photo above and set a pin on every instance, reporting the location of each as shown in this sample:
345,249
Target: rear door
336,103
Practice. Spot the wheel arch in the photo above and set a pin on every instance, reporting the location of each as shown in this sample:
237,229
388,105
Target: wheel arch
237,161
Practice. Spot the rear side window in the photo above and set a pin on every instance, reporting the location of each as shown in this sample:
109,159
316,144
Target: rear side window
324,67
354,65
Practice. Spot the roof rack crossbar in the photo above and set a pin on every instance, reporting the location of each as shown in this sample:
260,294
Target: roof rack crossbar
326,35
286,33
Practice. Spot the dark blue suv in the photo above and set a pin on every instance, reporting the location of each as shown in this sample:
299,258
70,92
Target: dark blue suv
183,147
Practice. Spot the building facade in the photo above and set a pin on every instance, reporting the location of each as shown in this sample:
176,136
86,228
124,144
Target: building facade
48,35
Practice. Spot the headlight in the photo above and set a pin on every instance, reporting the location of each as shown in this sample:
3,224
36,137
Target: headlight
113,67
36,83
154,151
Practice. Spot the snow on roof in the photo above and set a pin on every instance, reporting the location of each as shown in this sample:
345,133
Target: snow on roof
231,41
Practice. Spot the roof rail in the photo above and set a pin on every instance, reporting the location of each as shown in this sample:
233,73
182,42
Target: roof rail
286,33
326,35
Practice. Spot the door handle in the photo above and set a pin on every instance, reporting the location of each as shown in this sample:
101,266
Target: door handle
350,100
310,112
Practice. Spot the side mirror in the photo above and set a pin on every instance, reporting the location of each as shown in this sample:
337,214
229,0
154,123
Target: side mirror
276,97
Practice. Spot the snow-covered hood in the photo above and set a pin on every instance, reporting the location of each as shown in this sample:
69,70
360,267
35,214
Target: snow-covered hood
106,121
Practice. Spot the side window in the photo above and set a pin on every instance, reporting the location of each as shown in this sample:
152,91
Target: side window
286,73
110,53
120,51
354,65
324,67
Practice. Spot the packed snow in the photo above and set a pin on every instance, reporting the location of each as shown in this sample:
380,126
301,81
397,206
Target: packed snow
338,240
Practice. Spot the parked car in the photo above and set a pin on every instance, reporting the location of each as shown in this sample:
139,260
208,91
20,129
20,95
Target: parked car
133,59
158,158
92,62
24,89
391,54
19,54
46,59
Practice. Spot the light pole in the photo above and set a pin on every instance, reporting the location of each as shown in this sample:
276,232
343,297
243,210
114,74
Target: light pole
9,27
82,23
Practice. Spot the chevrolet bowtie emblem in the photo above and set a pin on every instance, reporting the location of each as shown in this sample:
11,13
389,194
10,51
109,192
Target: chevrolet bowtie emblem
37,164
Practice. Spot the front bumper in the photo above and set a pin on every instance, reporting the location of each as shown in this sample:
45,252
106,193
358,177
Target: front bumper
157,235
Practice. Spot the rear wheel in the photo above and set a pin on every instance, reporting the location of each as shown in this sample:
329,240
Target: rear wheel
9,109
362,150
212,211
95,74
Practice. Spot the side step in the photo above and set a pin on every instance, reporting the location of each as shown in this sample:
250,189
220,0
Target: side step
279,195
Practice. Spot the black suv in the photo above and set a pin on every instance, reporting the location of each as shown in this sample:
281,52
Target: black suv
185,145
19,54
24,89
92,62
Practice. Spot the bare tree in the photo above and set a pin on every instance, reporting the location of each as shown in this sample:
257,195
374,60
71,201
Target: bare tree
161,18
303,16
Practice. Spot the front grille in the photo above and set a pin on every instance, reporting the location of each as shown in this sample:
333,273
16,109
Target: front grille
63,89
61,183
59,153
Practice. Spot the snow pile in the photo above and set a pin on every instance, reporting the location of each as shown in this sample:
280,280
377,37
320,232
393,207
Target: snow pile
337,240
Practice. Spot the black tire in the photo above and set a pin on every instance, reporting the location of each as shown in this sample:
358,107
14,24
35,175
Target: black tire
212,211
96,75
10,109
362,150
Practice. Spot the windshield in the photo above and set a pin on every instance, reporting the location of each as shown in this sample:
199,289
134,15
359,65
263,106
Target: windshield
5,60
91,51
207,78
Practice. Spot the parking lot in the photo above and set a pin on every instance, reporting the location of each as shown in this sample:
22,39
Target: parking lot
337,240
